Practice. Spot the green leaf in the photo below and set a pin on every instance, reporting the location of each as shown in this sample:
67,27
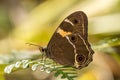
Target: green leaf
57,73
66,73
73,76
63,77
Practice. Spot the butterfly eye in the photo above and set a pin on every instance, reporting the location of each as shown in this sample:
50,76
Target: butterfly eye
80,58
43,50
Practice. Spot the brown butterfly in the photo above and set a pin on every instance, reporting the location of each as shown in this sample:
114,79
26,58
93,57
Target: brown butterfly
69,44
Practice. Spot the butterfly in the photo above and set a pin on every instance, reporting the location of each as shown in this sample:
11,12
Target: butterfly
69,44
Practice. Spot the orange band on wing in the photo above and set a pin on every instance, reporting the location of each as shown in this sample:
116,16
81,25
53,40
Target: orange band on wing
63,33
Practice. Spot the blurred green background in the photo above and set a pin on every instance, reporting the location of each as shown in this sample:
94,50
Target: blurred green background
34,21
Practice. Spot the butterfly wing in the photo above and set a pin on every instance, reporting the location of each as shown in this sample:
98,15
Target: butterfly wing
69,45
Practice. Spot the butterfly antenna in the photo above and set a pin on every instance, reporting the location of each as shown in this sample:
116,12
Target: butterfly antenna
40,48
